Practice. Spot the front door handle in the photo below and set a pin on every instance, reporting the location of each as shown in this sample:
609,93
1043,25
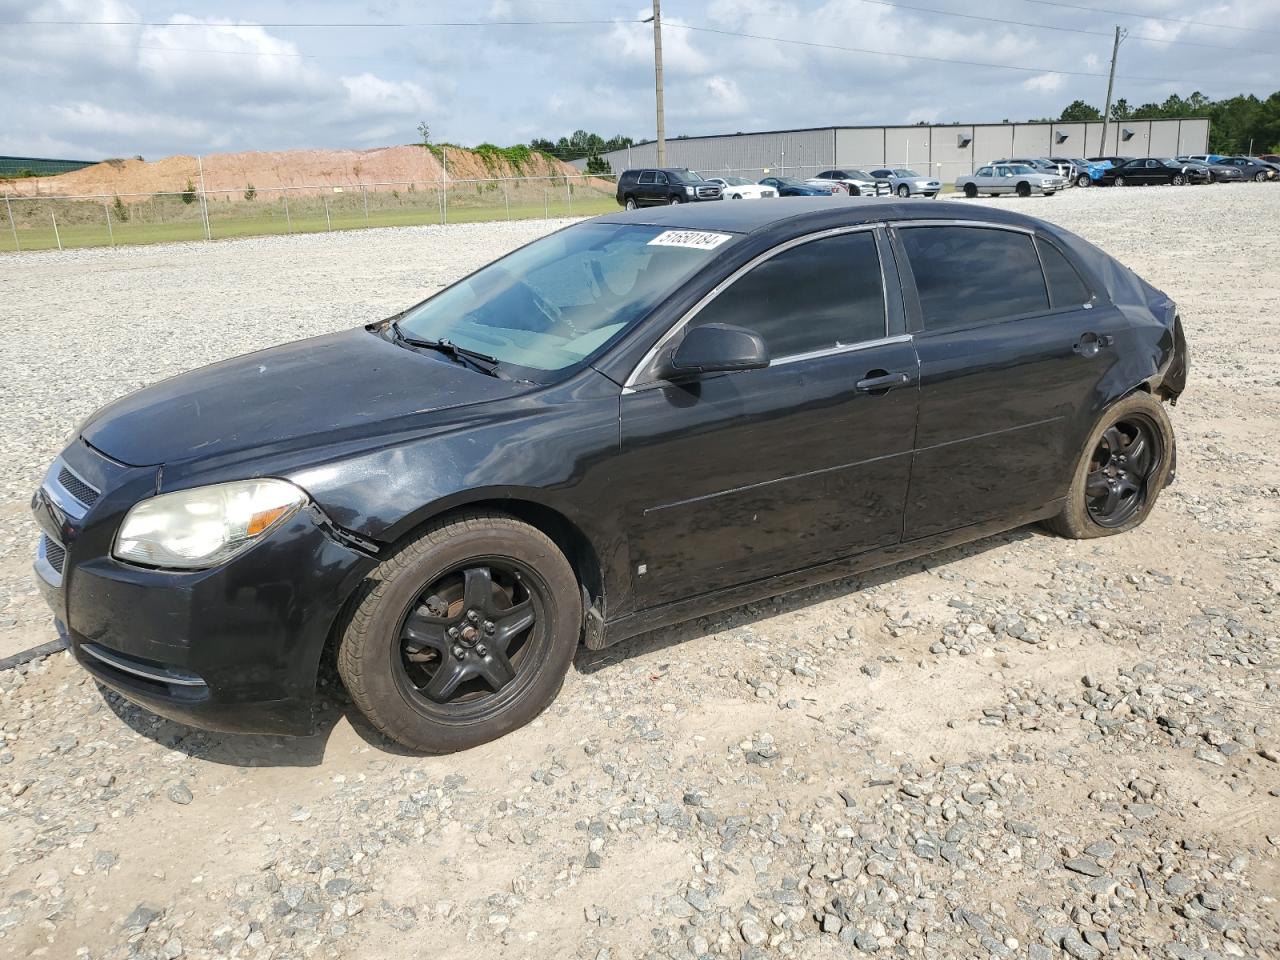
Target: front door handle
1090,344
878,382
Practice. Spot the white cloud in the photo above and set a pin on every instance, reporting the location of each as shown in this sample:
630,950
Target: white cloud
1045,82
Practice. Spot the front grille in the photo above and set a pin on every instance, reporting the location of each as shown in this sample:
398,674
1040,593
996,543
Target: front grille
77,487
708,193
54,553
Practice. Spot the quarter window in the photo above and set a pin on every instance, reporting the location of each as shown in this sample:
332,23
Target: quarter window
971,275
1066,289
818,295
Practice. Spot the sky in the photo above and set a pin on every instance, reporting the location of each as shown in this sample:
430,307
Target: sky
201,77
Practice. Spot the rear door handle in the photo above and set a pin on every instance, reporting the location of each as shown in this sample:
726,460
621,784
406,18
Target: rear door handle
877,381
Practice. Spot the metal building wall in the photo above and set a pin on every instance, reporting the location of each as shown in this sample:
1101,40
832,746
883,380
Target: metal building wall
932,150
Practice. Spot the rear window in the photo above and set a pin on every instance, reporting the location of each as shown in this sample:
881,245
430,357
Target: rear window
968,276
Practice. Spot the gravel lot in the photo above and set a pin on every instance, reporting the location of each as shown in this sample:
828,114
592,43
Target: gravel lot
1023,748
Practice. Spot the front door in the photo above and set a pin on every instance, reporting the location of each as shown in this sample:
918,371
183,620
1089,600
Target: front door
735,477
1009,363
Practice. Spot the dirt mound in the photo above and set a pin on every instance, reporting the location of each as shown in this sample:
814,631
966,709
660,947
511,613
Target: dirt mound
265,170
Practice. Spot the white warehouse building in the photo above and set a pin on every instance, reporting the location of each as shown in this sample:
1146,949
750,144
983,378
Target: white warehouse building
945,151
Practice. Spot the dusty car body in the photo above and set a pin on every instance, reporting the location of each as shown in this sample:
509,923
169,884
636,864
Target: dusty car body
630,460
997,178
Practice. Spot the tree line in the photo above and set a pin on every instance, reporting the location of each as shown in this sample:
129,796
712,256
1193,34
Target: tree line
1234,123
583,144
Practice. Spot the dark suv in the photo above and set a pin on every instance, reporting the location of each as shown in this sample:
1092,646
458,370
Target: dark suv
663,185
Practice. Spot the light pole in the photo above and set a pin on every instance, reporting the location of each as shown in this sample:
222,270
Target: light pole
656,20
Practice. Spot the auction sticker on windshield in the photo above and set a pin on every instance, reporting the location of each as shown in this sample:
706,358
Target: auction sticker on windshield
697,239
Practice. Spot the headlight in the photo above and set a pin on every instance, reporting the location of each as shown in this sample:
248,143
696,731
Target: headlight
689,191
204,526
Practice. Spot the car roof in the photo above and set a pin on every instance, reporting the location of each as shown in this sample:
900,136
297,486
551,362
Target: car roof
822,211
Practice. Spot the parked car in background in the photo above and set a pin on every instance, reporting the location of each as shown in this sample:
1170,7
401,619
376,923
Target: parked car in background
653,186
740,188
1217,172
1088,172
791,187
998,178
1270,157
907,183
1252,169
1042,164
1273,164
1206,157
1114,161
1067,167
857,183
1147,171
636,420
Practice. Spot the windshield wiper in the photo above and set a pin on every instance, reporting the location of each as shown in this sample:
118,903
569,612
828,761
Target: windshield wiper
468,358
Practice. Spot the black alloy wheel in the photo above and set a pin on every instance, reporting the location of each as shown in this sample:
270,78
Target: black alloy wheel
468,639
1127,456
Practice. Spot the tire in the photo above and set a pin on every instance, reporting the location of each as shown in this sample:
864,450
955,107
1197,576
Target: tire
1078,519
630,203
970,190
1119,181
854,191
1259,178
904,191
1083,180
1177,180
1024,189
382,656
674,200
735,196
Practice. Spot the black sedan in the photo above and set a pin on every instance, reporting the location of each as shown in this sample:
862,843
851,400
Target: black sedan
636,420
1146,171
791,187
1251,169
1213,172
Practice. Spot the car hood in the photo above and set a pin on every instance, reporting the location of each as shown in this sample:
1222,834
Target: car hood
327,389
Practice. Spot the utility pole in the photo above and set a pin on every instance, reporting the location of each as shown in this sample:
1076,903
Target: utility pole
1106,113
657,79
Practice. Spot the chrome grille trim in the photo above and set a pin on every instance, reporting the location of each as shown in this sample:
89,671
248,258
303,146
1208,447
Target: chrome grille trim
156,674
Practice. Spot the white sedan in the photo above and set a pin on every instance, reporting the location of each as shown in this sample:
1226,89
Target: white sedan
740,188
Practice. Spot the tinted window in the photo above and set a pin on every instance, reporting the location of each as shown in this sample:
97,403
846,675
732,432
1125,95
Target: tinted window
1066,289
968,275
647,177
821,294
659,177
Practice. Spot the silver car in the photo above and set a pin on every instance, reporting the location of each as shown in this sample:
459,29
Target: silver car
997,178
906,183
857,183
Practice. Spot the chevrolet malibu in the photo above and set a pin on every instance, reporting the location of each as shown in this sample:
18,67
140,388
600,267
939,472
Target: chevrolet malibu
636,420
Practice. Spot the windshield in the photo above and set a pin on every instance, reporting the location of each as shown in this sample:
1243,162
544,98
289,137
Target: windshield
552,304
790,181
684,176
1021,169
737,181
903,172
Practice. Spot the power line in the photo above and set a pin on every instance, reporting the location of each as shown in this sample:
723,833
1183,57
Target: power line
1150,16
1048,26
908,56
284,26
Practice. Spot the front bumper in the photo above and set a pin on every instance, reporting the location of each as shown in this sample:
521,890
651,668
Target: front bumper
235,648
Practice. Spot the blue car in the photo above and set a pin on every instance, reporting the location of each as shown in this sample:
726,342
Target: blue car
1089,173
791,187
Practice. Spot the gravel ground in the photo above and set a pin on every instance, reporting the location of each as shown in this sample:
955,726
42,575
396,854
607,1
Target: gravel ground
1026,747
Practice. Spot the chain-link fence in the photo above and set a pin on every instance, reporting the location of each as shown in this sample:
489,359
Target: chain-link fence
57,223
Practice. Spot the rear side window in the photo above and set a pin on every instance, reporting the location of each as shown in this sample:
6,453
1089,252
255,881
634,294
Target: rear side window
1066,288
648,177
972,275
821,294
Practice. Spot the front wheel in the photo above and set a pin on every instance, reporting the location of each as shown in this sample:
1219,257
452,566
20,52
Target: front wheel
904,191
1083,180
1178,180
1024,189
1125,464
675,200
1259,177
463,635
970,190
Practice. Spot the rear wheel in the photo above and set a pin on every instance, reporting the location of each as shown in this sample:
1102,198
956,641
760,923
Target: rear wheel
465,634
970,190
1124,466
631,203
1120,181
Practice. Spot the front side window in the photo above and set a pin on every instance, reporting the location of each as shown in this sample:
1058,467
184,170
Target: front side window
903,172
967,276
984,172
822,294
549,306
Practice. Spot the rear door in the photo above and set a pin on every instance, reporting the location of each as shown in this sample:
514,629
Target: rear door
734,477
1009,366
645,187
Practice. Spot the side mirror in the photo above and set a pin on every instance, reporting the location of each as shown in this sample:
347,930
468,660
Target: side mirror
716,348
